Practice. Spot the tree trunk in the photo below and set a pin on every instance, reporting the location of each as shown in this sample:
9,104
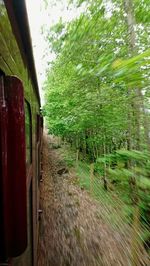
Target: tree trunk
104,177
134,114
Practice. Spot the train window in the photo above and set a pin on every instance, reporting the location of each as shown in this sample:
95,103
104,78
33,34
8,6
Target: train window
38,128
28,127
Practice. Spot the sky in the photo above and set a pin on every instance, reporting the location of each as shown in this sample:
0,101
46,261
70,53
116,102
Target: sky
39,15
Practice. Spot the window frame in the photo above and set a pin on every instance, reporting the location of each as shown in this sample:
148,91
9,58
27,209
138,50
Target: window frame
28,107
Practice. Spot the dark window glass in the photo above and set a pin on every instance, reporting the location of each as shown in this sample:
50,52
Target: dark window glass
28,126
38,128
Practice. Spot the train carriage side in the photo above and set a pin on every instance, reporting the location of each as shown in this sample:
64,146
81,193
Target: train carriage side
20,147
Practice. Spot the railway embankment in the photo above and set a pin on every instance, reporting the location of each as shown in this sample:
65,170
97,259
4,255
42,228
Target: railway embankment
73,229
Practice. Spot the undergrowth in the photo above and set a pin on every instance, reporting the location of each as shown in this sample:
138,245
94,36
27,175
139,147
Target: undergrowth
117,208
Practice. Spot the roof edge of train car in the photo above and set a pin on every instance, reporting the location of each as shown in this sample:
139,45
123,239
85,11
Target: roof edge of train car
18,17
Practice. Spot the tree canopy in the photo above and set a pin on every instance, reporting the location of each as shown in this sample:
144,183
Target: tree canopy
99,83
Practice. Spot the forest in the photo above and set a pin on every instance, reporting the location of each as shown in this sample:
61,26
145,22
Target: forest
97,96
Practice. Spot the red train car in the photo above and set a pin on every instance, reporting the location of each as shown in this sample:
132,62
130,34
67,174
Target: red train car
20,139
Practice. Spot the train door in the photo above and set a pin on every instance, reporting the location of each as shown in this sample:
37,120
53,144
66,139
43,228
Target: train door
29,260
29,166
26,259
13,192
38,146
38,166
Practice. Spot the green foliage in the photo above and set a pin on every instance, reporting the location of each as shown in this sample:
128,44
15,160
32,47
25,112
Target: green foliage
87,86
57,36
97,90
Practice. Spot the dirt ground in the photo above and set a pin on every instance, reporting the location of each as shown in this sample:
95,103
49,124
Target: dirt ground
72,231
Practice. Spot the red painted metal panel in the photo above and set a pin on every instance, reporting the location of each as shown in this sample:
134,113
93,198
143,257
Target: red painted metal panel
3,165
14,179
